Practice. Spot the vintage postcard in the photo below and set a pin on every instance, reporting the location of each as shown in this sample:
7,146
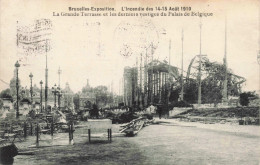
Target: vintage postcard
129,82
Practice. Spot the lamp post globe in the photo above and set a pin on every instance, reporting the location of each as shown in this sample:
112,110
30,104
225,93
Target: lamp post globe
17,65
31,75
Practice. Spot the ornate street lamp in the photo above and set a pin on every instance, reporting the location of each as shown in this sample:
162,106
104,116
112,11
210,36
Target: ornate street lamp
17,65
59,97
31,89
41,95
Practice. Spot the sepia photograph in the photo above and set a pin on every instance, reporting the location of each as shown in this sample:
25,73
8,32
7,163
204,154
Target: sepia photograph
130,82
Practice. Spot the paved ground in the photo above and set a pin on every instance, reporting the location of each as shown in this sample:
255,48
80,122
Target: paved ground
170,142
251,130
196,143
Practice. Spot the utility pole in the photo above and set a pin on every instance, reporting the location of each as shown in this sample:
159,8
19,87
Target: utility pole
31,89
123,90
141,81
258,55
145,79
225,99
169,86
152,79
199,84
136,83
17,65
41,95
182,38
46,79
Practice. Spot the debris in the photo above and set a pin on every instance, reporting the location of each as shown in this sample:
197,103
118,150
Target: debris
132,128
8,150
26,153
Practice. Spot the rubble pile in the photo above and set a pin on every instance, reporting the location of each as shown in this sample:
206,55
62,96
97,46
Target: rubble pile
134,126
119,118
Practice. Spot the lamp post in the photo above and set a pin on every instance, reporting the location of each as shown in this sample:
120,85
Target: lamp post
17,65
46,77
258,59
199,83
41,95
182,88
31,89
59,97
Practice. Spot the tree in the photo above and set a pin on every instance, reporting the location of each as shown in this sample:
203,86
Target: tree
76,101
191,91
103,97
211,91
175,89
94,111
68,96
6,94
213,76
1,103
245,98
23,92
27,100
36,90
174,95
87,104
213,83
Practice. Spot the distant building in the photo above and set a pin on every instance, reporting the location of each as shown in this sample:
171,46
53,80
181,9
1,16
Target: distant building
67,98
88,98
86,101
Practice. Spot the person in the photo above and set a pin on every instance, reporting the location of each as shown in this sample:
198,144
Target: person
166,112
95,111
152,109
159,112
39,130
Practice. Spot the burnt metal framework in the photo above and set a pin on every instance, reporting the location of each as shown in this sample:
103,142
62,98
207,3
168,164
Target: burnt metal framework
151,86
193,70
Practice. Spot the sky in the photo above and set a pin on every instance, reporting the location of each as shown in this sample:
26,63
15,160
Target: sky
89,47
